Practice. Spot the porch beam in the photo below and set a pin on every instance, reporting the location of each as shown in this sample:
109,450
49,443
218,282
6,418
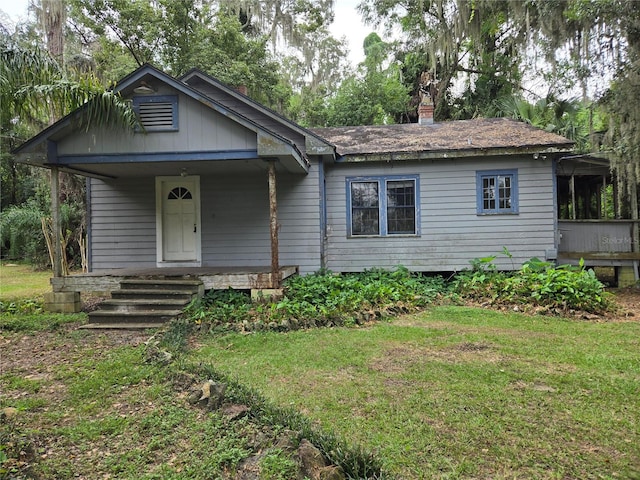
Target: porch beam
273,225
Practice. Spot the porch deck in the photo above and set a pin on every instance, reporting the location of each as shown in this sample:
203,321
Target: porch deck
599,242
213,278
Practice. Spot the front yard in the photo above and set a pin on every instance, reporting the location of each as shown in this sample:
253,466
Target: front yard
453,392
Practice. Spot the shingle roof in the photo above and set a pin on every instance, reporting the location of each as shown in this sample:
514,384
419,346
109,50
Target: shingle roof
462,135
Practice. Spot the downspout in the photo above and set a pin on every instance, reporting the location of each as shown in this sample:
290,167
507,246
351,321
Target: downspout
273,225
52,159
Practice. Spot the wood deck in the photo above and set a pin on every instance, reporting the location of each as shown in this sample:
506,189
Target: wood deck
599,242
213,278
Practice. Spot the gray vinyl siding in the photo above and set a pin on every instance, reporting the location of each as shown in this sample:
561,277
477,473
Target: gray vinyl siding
451,232
264,119
199,128
123,224
234,219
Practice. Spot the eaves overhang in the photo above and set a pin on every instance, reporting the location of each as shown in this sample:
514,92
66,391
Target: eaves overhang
537,151
34,150
314,143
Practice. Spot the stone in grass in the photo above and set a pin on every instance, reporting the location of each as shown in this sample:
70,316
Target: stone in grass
8,413
314,465
209,393
234,411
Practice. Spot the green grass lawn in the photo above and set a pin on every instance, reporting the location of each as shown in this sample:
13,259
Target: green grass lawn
460,392
19,281
452,393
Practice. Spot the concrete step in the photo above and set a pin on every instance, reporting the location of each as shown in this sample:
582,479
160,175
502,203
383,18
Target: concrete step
185,285
140,316
121,326
145,304
153,294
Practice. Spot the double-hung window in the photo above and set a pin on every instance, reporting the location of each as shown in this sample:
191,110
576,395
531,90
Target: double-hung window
383,206
497,191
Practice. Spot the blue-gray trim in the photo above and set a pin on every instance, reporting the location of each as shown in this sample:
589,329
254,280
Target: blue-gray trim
134,77
172,99
554,172
235,93
382,203
89,229
322,185
513,173
248,154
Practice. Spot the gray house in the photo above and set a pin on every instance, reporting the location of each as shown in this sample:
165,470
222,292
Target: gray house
223,188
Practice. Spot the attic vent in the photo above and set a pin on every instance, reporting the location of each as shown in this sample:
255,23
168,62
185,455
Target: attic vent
158,112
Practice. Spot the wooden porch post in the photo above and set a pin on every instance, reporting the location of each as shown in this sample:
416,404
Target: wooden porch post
56,222
273,226
572,189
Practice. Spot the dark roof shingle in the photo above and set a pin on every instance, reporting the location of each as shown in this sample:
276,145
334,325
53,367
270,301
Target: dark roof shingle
461,135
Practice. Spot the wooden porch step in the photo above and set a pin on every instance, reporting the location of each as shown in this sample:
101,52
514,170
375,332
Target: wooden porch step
153,294
145,303
121,326
185,285
137,316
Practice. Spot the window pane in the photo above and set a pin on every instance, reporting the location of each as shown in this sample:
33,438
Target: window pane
505,193
401,209
489,193
364,208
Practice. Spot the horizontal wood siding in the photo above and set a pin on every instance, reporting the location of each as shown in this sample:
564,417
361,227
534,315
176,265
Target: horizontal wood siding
235,220
596,236
123,224
263,119
451,231
199,129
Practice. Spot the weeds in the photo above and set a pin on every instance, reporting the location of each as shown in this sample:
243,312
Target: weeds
321,299
538,283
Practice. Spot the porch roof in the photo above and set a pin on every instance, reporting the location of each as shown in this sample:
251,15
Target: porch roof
40,150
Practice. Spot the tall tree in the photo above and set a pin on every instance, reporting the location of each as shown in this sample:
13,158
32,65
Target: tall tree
376,95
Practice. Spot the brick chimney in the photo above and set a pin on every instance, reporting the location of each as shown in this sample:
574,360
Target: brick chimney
242,89
425,113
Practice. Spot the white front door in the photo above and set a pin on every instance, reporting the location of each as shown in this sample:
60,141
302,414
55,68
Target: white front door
178,219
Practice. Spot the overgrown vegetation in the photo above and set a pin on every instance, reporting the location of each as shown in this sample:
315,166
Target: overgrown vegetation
557,289
320,299
328,299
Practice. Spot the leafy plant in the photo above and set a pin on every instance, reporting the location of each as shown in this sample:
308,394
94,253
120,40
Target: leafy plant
320,299
539,283
277,465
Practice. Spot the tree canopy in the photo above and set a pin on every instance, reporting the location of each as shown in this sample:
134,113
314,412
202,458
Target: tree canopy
569,66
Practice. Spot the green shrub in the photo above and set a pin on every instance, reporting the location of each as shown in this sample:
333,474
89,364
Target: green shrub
319,299
539,283
21,234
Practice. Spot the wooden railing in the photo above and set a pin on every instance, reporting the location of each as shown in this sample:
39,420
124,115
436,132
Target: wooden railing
599,239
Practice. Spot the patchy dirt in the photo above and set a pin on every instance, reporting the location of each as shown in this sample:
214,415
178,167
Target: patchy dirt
628,301
39,353
37,357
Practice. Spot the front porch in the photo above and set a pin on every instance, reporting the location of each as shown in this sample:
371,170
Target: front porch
213,278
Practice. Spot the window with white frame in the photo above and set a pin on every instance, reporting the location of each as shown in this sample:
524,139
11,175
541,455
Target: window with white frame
157,112
383,206
497,192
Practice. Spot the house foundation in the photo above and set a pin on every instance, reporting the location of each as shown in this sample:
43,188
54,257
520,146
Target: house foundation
62,302
626,277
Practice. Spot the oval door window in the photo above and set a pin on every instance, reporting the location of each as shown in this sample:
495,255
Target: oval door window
179,193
